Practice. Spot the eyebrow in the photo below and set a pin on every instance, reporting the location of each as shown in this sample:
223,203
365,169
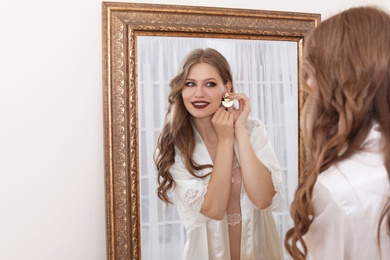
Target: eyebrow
203,80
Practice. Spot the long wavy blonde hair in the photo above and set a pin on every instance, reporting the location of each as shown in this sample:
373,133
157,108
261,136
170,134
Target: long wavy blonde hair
177,130
347,64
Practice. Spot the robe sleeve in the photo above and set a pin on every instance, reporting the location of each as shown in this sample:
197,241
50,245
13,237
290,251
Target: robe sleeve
264,151
188,194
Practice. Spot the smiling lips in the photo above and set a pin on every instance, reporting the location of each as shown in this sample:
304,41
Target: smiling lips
200,104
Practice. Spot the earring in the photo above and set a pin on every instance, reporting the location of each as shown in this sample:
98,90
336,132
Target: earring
226,101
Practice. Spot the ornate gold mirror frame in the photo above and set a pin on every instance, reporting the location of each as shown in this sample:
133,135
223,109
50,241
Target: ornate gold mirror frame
122,23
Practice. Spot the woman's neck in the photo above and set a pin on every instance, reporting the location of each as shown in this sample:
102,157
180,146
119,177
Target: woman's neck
205,129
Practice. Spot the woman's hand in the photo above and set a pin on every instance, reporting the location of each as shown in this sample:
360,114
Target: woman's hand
223,122
242,113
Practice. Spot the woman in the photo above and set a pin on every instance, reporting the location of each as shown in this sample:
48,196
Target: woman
217,165
341,209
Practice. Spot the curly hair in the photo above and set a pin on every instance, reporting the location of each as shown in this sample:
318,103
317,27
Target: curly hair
346,77
177,131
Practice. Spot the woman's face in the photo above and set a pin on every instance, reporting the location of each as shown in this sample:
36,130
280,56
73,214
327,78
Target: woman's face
203,90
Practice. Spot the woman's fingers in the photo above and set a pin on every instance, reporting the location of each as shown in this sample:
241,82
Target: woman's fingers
241,114
243,100
221,116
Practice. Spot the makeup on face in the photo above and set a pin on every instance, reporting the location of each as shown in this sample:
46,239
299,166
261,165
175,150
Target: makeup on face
203,89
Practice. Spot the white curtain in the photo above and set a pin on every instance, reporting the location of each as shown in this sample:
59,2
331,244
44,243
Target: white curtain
265,70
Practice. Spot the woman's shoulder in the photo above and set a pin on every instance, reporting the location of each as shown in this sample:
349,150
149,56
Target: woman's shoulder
351,183
359,170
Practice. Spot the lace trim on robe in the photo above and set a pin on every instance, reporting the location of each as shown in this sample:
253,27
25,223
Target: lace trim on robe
252,124
189,209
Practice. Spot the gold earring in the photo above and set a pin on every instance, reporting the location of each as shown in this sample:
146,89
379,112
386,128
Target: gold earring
226,101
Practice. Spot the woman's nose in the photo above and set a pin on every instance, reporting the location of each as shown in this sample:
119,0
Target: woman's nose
199,92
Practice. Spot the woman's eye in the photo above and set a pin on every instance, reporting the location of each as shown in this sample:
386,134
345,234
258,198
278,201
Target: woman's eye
211,84
190,84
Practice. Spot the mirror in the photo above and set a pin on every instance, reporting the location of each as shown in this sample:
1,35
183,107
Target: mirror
138,40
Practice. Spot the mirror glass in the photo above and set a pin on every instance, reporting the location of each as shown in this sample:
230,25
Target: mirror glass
266,70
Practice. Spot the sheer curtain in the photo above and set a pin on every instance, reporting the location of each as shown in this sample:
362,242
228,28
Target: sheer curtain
265,70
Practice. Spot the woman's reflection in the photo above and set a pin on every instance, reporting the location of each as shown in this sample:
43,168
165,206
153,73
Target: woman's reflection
217,165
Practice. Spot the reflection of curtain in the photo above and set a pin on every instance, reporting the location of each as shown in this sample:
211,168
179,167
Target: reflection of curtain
265,70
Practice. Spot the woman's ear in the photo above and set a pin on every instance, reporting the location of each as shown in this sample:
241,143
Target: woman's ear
229,86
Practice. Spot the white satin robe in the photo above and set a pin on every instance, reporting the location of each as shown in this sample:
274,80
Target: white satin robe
208,239
348,200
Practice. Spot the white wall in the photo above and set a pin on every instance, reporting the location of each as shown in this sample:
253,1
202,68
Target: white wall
51,126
